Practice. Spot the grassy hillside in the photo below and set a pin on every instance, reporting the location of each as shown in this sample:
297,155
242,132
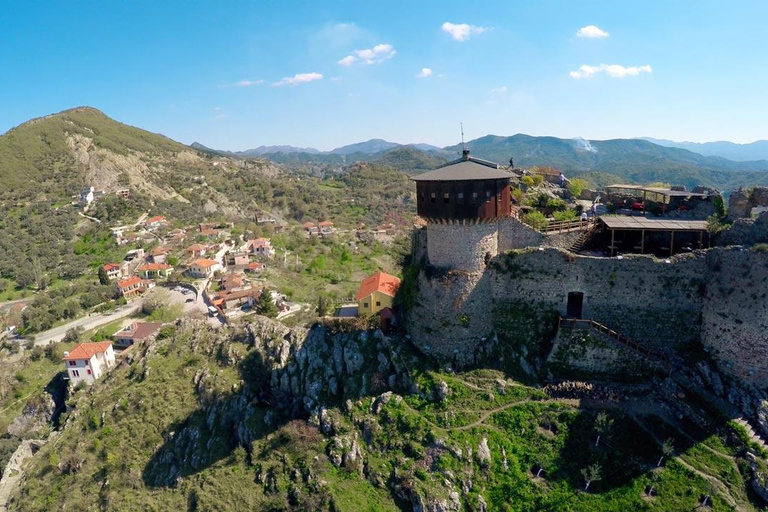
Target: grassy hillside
185,426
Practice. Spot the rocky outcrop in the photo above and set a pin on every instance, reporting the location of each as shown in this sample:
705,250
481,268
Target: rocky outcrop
35,418
741,202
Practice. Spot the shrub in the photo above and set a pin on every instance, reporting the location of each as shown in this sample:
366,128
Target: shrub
538,179
535,219
556,204
565,215
527,180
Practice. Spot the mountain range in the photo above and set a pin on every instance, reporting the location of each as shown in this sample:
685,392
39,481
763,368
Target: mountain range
757,150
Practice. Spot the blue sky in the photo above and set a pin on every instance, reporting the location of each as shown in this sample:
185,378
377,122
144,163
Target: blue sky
236,75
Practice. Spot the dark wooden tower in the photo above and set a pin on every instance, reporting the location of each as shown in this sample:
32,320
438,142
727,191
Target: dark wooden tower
466,190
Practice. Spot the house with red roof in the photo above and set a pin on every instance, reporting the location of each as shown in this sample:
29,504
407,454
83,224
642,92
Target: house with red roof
154,270
89,361
197,250
136,333
376,293
260,247
326,227
112,270
132,286
203,267
155,222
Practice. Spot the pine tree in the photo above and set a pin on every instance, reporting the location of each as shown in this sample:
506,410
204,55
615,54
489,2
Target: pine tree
322,305
103,277
266,305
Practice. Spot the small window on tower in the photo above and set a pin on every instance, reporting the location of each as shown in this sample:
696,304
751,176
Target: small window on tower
421,197
498,196
487,196
461,197
474,197
432,197
446,198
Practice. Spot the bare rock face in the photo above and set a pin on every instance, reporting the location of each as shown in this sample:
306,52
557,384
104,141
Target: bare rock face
484,453
741,202
36,415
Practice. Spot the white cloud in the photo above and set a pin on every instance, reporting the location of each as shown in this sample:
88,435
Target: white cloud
462,31
243,83
378,53
299,78
612,70
424,73
592,32
499,90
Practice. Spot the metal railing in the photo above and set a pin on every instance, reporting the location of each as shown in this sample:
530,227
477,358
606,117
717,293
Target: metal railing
618,337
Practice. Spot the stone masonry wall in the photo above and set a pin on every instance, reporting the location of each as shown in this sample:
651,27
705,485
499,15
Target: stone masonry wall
648,300
462,246
514,234
735,313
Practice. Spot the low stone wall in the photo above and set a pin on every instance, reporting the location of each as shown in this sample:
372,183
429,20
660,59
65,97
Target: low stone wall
514,234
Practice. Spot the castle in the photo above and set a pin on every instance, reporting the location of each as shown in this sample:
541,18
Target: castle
480,267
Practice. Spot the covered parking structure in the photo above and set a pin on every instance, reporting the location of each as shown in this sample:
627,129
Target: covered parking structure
643,225
665,197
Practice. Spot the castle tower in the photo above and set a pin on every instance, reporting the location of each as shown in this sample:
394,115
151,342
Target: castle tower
462,203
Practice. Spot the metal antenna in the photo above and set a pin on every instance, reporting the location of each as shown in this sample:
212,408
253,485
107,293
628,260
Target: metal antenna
464,150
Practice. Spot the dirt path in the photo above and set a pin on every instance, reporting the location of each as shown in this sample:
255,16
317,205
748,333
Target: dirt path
13,470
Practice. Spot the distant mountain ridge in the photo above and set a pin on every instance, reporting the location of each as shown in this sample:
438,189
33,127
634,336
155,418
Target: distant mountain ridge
757,150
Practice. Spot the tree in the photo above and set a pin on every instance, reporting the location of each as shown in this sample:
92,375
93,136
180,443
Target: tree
266,305
576,186
322,305
602,425
667,449
103,277
72,335
591,474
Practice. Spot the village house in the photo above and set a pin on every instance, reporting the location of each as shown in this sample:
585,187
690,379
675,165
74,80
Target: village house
86,196
311,229
376,293
177,235
88,361
255,267
159,254
237,258
155,222
123,193
154,270
136,333
326,227
112,270
231,281
118,231
134,254
230,301
260,247
133,286
203,267
197,250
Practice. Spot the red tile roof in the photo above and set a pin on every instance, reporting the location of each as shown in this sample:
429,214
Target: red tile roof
111,266
131,281
308,225
155,219
378,282
196,248
325,223
87,350
153,267
205,263
138,330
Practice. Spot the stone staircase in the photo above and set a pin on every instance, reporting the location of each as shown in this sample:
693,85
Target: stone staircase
583,238
753,434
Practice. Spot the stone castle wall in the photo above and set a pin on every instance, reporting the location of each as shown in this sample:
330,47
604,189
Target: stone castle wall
462,246
646,299
735,313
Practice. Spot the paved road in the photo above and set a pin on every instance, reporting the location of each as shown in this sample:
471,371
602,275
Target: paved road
89,322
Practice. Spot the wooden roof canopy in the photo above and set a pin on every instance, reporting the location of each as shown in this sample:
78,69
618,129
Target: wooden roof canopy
466,168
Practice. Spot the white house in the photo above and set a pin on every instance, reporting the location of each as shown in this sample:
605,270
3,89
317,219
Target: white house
86,196
260,247
203,267
88,361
